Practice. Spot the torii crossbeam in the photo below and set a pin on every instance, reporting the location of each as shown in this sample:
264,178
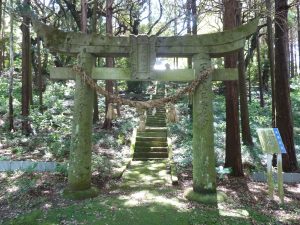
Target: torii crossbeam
142,51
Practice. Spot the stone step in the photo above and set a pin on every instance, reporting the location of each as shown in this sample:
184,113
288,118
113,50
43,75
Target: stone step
137,155
150,149
161,139
151,134
156,119
156,109
154,126
160,116
149,113
157,116
155,129
148,159
151,144
159,110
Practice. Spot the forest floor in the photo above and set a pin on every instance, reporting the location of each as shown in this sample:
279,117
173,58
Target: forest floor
143,196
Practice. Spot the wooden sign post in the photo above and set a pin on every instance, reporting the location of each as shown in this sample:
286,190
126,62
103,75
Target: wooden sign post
142,52
271,143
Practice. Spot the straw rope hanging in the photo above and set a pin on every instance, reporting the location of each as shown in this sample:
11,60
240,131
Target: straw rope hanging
142,104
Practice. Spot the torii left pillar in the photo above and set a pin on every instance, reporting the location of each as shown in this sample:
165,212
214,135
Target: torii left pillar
79,172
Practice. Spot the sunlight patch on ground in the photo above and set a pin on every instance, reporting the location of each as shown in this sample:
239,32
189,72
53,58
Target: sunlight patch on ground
146,197
241,213
12,189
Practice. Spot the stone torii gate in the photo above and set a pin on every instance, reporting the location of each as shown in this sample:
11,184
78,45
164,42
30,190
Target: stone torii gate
143,51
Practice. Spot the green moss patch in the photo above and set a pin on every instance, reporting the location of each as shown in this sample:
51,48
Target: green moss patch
212,198
80,195
121,210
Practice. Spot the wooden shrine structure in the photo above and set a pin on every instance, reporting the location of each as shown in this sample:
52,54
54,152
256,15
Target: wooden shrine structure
142,51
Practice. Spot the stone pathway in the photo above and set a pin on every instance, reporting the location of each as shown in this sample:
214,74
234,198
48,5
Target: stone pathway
152,143
147,175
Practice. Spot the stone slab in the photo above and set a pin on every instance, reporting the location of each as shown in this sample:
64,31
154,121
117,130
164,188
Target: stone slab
288,178
8,165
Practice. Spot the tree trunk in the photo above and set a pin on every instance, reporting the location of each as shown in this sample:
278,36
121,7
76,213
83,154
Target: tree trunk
233,157
295,62
2,28
194,16
11,74
270,42
249,79
109,63
245,125
246,132
284,120
188,27
251,49
298,23
261,90
292,71
40,76
94,29
1,34
26,78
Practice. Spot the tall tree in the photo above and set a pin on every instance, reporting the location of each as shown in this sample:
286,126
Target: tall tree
94,29
233,156
298,25
282,94
194,16
270,42
0,34
26,77
260,79
245,125
2,27
188,26
11,73
40,75
292,62
109,62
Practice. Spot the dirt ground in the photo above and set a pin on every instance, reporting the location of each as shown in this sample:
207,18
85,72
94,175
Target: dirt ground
22,192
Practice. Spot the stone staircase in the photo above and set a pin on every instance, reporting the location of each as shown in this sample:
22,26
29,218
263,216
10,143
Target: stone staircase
151,144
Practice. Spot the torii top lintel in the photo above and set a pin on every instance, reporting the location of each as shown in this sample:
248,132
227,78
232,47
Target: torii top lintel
214,44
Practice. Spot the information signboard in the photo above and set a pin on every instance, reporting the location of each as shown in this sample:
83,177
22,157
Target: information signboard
271,141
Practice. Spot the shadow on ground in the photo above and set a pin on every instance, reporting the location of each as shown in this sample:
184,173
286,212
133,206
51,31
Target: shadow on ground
144,197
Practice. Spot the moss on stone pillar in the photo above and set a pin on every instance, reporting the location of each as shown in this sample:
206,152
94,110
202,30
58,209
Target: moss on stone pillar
204,172
79,171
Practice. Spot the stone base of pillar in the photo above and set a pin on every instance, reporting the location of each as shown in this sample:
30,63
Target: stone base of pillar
80,195
205,198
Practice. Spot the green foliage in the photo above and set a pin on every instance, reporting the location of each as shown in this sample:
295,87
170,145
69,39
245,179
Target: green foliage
221,171
181,132
136,87
102,165
295,100
62,168
26,184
